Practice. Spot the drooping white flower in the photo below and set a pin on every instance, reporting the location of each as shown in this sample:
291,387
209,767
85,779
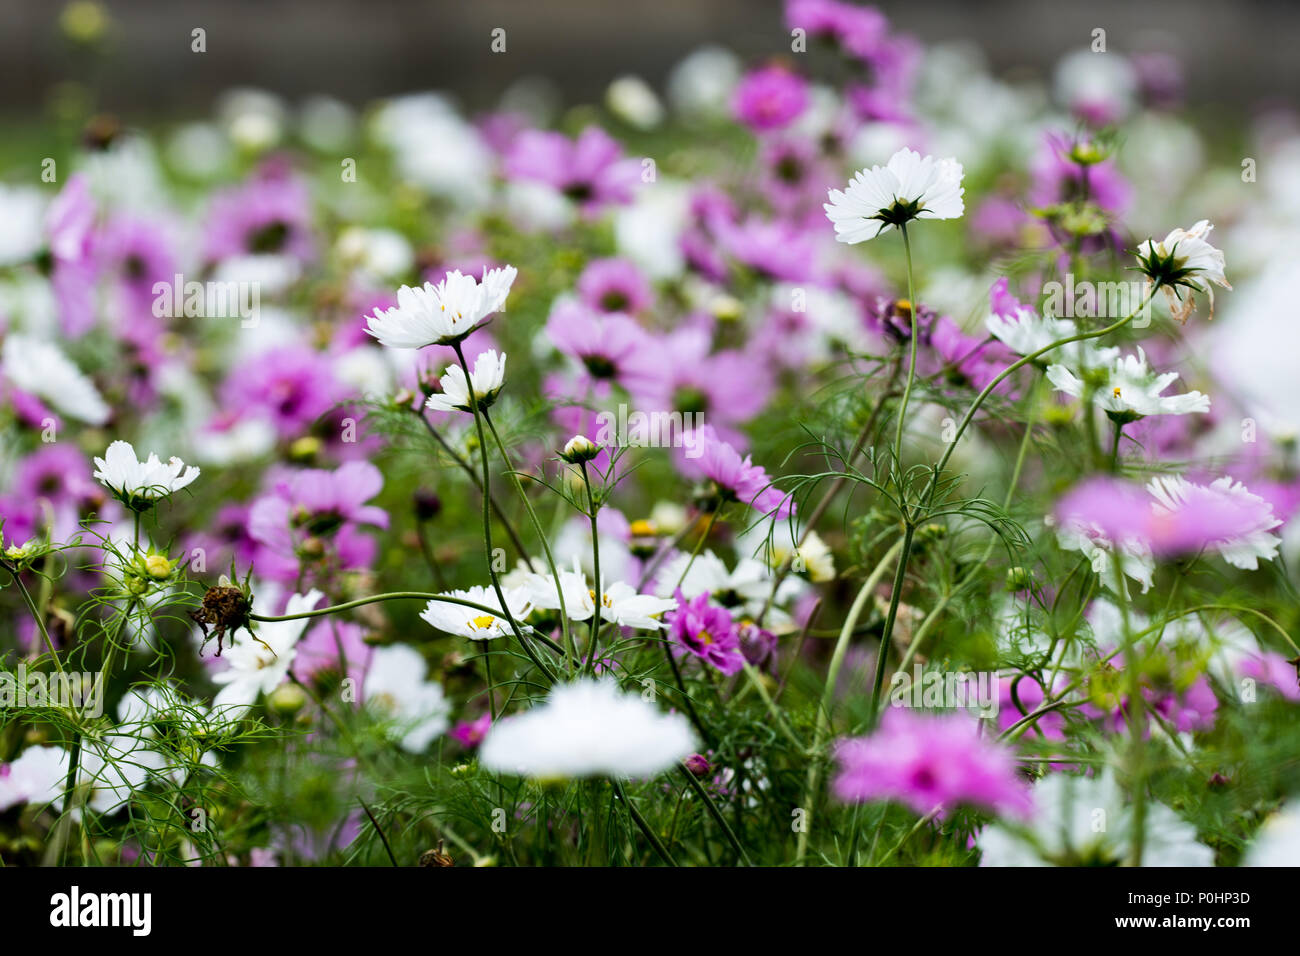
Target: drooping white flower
1082,821
1242,550
396,687
908,187
259,665
1184,259
1132,390
140,483
588,728
486,377
471,622
41,369
22,210
441,314
1277,842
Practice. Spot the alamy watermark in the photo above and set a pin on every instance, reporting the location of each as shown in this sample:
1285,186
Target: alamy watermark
937,689
231,299
638,429
1097,300
82,691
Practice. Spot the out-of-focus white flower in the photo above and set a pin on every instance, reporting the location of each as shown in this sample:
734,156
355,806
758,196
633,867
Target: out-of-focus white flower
1136,559
41,369
395,685
380,253
1100,86
441,314
1085,821
22,211
1277,843
257,665
588,728
140,483
620,603
910,186
632,100
702,83
37,777
1132,390
486,379
473,623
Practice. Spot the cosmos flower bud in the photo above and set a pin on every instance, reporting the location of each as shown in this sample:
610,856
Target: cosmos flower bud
579,449
287,699
158,566
427,505
698,764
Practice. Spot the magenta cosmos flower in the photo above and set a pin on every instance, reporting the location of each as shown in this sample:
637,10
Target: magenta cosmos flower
769,98
315,515
706,631
611,348
270,215
69,223
590,170
735,478
930,763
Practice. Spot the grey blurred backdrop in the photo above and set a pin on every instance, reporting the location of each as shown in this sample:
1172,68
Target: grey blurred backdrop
356,50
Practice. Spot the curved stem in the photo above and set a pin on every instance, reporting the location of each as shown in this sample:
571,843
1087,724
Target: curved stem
911,365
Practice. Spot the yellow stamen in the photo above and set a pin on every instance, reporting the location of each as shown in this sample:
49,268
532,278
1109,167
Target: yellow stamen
482,622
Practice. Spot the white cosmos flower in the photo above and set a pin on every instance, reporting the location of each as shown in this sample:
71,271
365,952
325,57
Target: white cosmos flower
41,369
620,604
1184,259
22,210
487,376
37,777
441,314
1132,390
1027,332
1277,842
258,665
908,187
395,686
1243,550
747,586
472,623
588,728
1081,821
1136,559
141,482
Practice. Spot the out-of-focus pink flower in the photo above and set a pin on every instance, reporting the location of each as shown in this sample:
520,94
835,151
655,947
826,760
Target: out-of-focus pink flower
769,98
931,764
736,478
590,170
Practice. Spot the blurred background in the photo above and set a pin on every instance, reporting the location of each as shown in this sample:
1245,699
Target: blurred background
357,50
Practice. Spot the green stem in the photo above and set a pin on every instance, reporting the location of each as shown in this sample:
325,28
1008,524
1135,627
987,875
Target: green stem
911,366
828,691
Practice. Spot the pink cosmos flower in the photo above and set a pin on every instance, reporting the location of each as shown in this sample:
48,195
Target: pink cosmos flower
290,386
470,733
268,215
1176,517
736,478
589,170
614,285
1275,670
769,98
931,764
314,515
706,631
611,348
137,253
69,224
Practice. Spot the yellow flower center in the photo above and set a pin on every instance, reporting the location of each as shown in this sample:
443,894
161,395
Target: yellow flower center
704,637
483,622
1116,392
